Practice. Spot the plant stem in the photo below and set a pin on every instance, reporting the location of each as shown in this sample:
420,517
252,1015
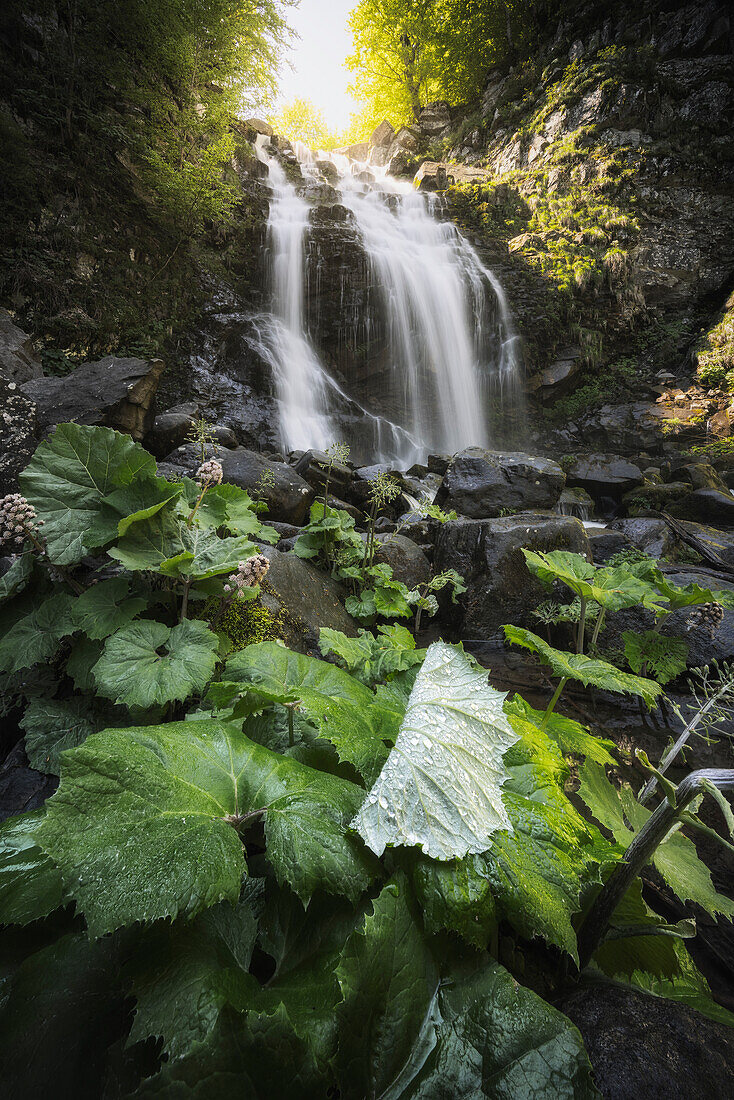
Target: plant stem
669,756
639,854
556,696
185,598
598,625
582,625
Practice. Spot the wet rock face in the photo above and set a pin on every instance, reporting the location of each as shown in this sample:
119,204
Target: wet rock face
604,475
18,362
488,554
17,434
481,484
643,1046
304,599
119,393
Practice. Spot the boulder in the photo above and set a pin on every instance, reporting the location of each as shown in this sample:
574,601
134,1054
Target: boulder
303,599
17,434
644,1046
259,126
359,151
312,467
605,544
480,483
18,362
287,495
488,554
558,378
434,118
328,170
408,562
652,536
711,506
170,429
382,135
719,542
604,475
119,393
576,502
703,646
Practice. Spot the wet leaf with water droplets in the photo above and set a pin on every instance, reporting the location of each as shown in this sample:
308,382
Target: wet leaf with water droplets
441,785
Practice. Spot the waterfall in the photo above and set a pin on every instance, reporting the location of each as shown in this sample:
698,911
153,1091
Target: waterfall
450,345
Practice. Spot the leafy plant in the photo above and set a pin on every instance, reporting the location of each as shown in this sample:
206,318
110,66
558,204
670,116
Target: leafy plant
371,658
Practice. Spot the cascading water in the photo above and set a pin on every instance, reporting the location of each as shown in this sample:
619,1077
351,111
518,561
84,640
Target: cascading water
450,346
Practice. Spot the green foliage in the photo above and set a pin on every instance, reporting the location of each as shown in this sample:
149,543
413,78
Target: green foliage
675,858
300,120
664,657
715,351
371,658
590,671
440,787
201,904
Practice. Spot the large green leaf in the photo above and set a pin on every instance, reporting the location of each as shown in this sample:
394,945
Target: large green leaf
540,871
441,787
590,671
456,896
68,479
53,725
31,629
30,884
497,1040
570,736
676,858
343,710
148,663
227,506
166,544
373,658
665,657
388,980
686,596
613,588
15,579
139,826
255,1057
183,975
105,607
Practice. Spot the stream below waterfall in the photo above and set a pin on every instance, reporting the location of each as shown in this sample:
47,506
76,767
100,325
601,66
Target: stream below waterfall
450,371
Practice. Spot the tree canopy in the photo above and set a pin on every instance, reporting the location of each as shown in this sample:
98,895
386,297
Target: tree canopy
410,52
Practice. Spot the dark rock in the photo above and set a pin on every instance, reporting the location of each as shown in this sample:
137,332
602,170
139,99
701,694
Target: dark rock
719,542
328,170
305,599
18,362
605,544
312,467
408,562
480,483
117,392
558,378
671,496
604,475
488,554
576,502
438,464
382,134
434,118
287,495
703,646
644,1046
17,434
652,536
700,476
259,126
285,530
712,506
170,429
21,787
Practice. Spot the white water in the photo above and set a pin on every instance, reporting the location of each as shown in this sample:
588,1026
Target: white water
450,343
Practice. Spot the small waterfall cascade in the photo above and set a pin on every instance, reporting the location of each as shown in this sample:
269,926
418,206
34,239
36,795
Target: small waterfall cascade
451,355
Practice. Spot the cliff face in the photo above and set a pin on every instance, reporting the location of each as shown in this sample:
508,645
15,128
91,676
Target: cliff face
598,180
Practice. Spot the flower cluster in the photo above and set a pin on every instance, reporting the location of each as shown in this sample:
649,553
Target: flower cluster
249,574
17,519
209,473
708,616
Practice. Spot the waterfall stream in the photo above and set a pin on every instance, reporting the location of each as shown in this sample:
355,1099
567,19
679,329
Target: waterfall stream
450,346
